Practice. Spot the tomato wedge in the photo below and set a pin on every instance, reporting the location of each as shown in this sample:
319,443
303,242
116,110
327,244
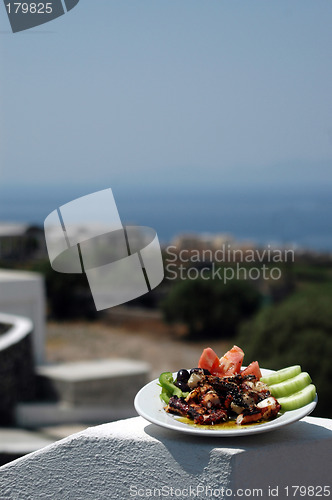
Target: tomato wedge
253,369
209,360
230,364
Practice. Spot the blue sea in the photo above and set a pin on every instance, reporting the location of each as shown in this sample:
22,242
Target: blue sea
288,215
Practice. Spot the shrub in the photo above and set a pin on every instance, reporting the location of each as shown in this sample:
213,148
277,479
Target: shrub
297,331
210,308
68,295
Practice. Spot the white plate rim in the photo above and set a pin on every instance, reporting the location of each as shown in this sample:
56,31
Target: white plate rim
149,406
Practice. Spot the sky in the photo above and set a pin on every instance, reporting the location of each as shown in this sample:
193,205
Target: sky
179,93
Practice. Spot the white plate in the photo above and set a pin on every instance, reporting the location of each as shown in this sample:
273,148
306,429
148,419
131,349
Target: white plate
149,405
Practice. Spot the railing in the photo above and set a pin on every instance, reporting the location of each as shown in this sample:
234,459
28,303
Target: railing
135,459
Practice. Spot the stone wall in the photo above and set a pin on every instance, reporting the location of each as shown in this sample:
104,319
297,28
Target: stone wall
16,366
22,293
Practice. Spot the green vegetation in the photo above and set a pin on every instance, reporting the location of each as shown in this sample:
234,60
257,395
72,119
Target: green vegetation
296,331
68,295
210,308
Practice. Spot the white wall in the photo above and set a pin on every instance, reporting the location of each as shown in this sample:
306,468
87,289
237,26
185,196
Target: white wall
135,459
22,293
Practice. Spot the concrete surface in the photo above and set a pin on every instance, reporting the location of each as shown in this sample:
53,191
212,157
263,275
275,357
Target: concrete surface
57,432
100,382
37,414
15,443
83,371
135,459
22,293
20,441
19,328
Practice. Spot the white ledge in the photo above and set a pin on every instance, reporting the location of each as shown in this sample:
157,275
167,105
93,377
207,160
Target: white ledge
22,293
135,459
82,371
20,327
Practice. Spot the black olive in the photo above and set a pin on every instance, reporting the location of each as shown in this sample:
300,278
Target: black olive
182,385
199,370
182,375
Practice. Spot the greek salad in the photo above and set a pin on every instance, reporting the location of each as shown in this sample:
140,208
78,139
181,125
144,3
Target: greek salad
221,389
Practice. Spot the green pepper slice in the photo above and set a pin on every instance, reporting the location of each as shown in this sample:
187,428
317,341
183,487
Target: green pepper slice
164,396
166,381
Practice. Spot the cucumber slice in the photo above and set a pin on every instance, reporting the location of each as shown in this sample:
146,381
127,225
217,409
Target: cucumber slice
290,386
299,399
281,375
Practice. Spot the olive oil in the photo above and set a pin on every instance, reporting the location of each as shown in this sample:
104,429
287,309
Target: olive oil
229,424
